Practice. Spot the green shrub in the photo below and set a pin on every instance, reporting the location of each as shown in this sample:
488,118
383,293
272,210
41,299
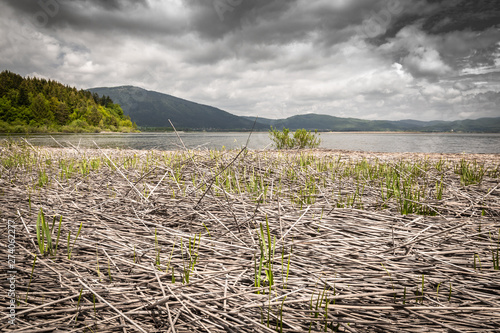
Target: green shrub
300,139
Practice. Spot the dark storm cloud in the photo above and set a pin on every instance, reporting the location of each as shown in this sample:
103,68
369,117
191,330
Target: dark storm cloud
116,4
31,7
215,19
435,38
283,21
445,16
372,59
99,16
243,24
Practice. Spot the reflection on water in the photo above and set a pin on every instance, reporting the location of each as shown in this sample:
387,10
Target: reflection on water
376,142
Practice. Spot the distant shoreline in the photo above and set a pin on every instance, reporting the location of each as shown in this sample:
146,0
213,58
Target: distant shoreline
412,132
240,131
356,141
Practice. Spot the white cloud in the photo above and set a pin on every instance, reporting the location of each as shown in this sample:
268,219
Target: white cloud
425,62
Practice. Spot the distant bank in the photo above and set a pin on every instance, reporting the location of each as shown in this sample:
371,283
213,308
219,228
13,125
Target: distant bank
33,105
152,110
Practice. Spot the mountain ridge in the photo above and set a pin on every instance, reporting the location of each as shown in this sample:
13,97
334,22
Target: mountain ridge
151,109
333,123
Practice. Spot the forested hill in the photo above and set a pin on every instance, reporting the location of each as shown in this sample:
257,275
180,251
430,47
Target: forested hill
40,105
154,109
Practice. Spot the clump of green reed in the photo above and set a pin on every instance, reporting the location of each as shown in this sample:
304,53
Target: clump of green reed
267,246
403,185
43,234
85,166
192,257
470,172
407,184
495,259
17,155
318,308
95,163
67,168
307,194
495,253
284,277
43,178
439,189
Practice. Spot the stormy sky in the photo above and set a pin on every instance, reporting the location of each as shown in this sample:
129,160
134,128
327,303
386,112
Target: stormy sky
370,59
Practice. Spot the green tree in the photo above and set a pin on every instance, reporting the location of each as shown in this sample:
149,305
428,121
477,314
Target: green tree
40,109
23,98
53,103
61,114
94,116
7,112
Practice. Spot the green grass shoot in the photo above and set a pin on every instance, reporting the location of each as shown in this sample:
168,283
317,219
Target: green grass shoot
70,250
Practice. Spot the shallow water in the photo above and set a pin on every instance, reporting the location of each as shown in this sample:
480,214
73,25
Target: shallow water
375,142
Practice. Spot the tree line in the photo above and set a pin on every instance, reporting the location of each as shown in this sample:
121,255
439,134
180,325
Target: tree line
40,105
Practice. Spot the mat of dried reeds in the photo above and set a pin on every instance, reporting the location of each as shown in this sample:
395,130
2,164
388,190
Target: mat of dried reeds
250,241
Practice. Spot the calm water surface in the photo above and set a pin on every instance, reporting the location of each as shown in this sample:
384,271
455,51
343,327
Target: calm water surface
375,142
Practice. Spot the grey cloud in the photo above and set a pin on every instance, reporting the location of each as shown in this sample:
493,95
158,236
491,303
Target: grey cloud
487,104
99,16
459,15
215,19
464,86
269,57
433,57
209,54
280,21
242,25
490,99
444,16
117,4
31,7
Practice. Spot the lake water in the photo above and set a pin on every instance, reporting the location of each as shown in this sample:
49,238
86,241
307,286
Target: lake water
375,142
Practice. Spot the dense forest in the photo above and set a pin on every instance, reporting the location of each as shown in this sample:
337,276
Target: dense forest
39,105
